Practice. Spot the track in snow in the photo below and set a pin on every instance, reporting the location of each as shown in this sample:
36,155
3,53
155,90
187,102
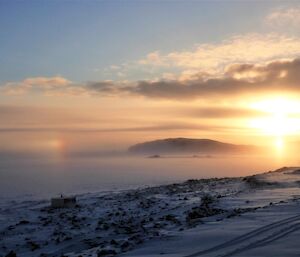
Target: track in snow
256,238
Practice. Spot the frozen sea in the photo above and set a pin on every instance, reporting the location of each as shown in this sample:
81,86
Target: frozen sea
38,178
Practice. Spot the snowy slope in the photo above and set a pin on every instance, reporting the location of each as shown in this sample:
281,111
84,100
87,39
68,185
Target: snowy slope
251,216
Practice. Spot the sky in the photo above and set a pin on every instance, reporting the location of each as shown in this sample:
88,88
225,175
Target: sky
90,75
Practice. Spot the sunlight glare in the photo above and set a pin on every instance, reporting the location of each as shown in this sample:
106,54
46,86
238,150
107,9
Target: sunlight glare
279,143
278,121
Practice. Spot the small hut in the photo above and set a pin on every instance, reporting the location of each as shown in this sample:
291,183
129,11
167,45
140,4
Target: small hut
63,202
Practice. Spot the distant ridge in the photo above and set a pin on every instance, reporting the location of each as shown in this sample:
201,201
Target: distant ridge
188,145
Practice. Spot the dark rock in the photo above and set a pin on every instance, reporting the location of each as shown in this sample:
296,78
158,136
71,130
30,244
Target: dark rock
23,222
11,254
113,242
125,245
171,218
255,182
33,246
106,253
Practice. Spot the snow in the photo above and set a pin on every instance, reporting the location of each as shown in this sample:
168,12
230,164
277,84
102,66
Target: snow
245,216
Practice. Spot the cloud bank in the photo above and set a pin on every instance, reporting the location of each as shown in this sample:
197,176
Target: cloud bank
237,79
248,48
250,63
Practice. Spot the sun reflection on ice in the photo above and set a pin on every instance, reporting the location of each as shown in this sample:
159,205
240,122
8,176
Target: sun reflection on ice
280,150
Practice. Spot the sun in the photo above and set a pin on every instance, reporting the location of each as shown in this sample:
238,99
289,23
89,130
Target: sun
281,118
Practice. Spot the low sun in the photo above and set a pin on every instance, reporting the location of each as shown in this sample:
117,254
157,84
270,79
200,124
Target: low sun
281,118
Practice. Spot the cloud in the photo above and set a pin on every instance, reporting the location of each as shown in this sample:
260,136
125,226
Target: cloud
213,58
210,57
105,87
220,112
45,84
281,75
284,17
154,58
238,78
162,127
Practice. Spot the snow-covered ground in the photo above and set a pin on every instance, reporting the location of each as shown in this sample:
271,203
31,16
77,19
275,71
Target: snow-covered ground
246,216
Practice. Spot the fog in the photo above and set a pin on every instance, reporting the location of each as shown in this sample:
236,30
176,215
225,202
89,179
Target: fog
41,177
43,164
